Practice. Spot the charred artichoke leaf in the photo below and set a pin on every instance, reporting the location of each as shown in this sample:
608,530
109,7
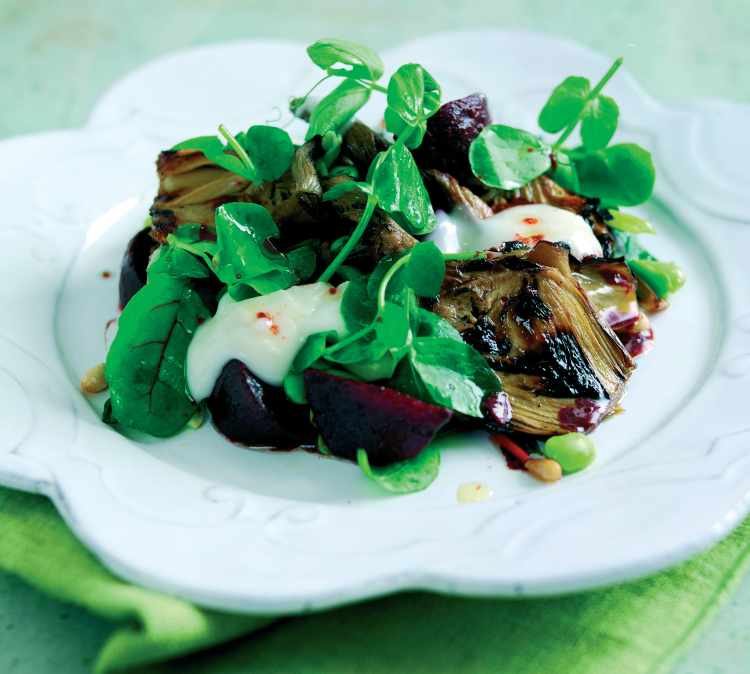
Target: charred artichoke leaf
562,368
191,188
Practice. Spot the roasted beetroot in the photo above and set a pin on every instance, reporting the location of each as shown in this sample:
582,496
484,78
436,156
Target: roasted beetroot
390,426
134,263
251,412
449,133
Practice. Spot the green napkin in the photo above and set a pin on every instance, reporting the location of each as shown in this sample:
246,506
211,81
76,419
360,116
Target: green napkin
636,628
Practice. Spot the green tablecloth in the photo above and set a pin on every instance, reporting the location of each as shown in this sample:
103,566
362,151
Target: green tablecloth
637,628
57,58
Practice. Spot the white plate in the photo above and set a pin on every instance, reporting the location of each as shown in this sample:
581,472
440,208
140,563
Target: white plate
247,530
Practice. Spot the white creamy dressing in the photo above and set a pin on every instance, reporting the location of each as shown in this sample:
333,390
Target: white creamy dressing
460,232
265,333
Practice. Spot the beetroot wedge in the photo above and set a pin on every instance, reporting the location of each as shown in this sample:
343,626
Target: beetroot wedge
390,426
134,263
251,412
449,133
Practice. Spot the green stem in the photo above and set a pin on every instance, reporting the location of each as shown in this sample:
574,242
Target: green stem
387,279
356,235
350,338
232,142
591,96
375,86
302,99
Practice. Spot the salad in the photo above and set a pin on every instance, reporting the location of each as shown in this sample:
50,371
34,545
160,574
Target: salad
364,290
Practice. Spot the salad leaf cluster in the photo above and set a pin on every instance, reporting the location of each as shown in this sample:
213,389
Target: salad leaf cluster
392,338
507,158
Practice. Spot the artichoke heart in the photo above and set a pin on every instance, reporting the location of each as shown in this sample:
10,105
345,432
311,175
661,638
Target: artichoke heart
562,367
191,188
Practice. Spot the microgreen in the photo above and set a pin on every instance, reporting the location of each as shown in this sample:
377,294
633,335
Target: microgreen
244,252
413,97
622,175
508,158
346,59
259,154
575,100
404,477
337,108
395,185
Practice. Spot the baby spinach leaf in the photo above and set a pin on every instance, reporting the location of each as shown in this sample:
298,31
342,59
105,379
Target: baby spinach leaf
337,108
622,175
397,185
565,104
145,366
599,122
342,188
413,97
508,158
426,269
177,263
244,252
270,149
404,477
627,222
346,59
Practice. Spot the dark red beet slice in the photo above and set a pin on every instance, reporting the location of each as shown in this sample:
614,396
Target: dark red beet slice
391,426
251,412
449,133
134,263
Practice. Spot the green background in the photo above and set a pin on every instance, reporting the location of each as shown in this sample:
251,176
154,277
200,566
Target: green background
57,58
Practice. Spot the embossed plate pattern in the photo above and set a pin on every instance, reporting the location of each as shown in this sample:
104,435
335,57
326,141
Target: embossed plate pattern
256,531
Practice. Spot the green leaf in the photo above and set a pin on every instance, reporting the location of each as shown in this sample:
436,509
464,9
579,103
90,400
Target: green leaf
216,152
397,185
303,260
177,263
451,374
337,108
342,188
426,269
404,477
620,174
357,307
508,158
664,278
392,326
358,61
626,222
565,104
270,149
145,366
599,122
245,254
565,173
432,325
413,97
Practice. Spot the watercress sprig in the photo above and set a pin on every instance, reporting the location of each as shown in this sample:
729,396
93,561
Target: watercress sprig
395,185
262,153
